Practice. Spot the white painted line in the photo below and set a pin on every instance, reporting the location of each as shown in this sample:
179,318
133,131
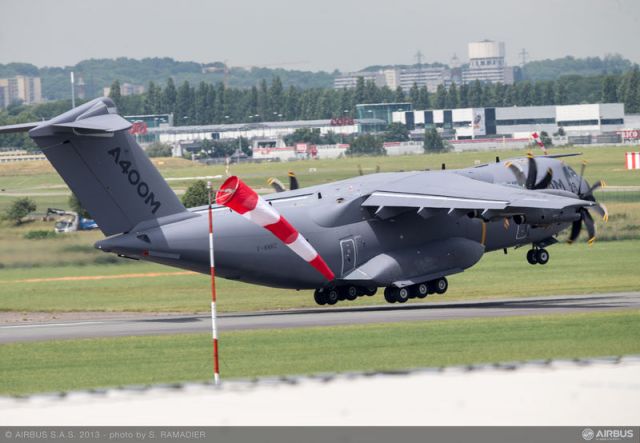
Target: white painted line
44,325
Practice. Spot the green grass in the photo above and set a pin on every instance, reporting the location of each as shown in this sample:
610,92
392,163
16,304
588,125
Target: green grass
575,269
82,364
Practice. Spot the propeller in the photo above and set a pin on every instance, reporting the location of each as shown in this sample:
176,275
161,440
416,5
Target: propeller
279,187
585,216
293,181
529,181
276,184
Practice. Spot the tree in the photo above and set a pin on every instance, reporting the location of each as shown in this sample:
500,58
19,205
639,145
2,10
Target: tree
366,144
114,93
76,206
433,142
396,132
630,93
475,94
562,97
609,89
169,97
440,99
452,100
546,140
196,195
158,149
304,135
19,209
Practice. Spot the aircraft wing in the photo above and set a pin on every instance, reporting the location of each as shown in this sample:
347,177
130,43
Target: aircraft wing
453,192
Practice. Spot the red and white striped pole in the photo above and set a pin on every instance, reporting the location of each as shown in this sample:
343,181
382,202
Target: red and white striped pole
214,325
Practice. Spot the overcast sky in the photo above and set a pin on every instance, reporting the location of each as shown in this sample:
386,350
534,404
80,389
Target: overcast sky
320,35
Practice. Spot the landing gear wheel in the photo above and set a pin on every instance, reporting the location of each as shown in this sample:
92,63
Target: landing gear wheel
532,257
421,290
389,295
320,297
332,296
370,291
350,292
542,256
441,285
402,294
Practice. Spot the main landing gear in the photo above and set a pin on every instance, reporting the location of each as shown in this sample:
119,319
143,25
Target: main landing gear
331,296
420,290
538,256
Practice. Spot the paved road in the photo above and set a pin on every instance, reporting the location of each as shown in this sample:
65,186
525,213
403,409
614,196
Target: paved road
182,324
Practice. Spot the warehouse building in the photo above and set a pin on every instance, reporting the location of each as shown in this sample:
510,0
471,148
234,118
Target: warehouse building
472,123
262,135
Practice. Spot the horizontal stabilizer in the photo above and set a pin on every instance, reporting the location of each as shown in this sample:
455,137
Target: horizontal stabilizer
102,123
22,127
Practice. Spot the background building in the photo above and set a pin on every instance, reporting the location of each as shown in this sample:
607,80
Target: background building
514,121
20,89
486,64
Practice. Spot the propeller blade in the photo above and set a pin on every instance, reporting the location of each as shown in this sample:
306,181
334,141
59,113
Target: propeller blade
582,168
276,184
520,177
590,225
602,211
293,181
596,185
532,174
575,231
546,180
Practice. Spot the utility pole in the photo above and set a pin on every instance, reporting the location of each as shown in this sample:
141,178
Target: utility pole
73,91
418,58
523,56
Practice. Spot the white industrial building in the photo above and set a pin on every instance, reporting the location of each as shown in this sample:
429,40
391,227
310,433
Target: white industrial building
472,123
263,135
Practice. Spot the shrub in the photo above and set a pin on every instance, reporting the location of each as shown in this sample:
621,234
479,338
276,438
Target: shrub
39,235
196,195
19,209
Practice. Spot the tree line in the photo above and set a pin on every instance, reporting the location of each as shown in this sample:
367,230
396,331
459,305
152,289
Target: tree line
214,103
209,103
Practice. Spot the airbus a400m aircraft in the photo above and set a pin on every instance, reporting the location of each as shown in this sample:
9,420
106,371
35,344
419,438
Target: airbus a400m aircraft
405,231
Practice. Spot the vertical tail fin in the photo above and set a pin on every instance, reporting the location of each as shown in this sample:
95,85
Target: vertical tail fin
103,165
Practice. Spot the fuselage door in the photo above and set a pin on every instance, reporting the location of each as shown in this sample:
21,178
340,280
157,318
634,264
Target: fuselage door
348,248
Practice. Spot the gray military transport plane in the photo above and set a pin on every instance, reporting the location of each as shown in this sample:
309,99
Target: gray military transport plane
404,231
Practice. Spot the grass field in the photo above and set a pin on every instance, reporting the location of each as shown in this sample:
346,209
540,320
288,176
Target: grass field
39,177
575,269
82,364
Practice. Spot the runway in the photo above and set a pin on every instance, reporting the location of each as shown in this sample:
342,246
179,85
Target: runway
300,318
